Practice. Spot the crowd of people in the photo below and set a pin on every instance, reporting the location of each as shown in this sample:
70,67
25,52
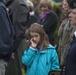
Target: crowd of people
27,37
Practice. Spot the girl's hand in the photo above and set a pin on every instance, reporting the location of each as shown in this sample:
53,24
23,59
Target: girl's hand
33,44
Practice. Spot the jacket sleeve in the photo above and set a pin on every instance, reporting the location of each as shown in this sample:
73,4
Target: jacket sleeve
21,22
6,37
21,19
28,56
55,61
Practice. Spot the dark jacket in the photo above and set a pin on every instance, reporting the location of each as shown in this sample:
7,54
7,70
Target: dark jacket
49,25
19,14
6,34
71,58
33,19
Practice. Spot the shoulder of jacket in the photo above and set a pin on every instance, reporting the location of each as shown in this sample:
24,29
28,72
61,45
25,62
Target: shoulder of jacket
22,2
2,4
51,47
52,12
52,15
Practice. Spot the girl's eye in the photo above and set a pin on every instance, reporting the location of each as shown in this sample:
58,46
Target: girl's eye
31,37
34,36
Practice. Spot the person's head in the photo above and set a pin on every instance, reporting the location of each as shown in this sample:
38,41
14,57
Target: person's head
45,5
72,14
30,5
72,4
65,5
37,33
34,1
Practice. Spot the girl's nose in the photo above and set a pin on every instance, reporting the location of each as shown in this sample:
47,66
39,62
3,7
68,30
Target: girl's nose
34,38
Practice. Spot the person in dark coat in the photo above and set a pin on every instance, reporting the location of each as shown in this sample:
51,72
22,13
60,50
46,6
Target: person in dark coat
6,38
71,50
19,14
48,19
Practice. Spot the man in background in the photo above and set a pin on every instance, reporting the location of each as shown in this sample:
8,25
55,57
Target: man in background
71,51
6,38
19,14
36,7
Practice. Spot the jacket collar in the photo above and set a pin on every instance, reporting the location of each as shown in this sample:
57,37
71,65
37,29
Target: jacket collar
49,47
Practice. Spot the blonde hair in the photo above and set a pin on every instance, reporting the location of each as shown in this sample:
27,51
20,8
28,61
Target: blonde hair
46,2
30,5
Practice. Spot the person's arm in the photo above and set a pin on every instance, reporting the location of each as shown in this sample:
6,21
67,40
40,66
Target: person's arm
72,52
28,57
55,61
5,33
21,19
21,22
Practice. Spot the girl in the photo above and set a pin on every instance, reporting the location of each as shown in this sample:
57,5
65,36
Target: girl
40,57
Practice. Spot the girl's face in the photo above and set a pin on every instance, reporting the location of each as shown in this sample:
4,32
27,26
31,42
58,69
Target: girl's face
44,9
35,37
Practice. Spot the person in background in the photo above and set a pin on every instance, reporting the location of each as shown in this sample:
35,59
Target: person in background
19,15
36,7
32,18
40,56
48,19
6,38
34,1
71,50
64,33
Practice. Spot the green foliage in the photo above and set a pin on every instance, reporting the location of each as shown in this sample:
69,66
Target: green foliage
58,9
55,5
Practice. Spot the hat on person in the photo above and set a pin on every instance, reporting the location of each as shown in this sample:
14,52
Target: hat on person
72,3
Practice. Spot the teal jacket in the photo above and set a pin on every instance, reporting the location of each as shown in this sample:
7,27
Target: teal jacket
40,63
